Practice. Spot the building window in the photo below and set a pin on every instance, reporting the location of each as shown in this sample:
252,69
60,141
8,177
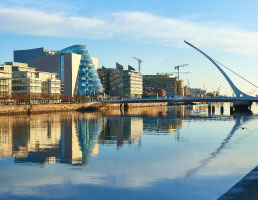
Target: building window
62,67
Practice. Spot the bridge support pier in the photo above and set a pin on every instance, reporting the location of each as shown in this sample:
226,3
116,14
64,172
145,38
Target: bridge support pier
124,106
241,106
209,107
213,109
221,108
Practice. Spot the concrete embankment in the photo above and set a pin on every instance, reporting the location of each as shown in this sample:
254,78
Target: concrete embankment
46,108
245,189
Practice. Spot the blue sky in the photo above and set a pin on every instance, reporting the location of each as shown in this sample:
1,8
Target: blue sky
114,31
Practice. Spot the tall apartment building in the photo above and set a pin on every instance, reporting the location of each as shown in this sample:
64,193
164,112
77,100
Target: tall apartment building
125,83
74,66
5,80
26,80
154,83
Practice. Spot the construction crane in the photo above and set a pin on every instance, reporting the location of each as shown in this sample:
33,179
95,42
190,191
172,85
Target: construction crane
218,91
178,68
188,83
139,62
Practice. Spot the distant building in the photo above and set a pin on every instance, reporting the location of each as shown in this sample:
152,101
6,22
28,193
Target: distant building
154,83
5,80
180,87
198,92
26,80
162,93
125,83
75,68
187,91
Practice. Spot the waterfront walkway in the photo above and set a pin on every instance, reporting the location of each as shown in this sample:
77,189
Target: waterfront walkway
245,189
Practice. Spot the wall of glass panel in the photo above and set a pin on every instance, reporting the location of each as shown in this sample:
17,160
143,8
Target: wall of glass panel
88,81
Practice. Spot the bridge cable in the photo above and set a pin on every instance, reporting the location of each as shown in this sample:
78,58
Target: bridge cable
235,73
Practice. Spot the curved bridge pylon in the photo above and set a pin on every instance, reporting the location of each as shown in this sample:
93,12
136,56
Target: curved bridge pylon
237,92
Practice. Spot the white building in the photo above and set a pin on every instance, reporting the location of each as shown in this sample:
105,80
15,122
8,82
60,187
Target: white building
26,80
5,80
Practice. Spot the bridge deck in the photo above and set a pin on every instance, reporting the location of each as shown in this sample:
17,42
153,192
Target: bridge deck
183,100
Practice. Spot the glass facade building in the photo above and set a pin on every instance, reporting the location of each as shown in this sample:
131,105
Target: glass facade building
88,81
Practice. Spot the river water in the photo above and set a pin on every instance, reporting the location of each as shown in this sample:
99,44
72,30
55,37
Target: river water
178,152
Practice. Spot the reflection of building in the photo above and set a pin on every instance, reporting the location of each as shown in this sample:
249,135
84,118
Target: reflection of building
6,140
121,130
88,133
74,66
125,83
50,138
164,120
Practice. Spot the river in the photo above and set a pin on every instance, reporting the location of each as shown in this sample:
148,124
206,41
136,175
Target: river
177,152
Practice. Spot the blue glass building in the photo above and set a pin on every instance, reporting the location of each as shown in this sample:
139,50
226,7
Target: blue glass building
88,81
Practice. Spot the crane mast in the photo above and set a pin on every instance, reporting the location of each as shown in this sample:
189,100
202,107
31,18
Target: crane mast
178,69
139,62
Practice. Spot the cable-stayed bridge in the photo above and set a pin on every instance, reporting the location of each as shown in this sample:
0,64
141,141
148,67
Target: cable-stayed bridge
240,100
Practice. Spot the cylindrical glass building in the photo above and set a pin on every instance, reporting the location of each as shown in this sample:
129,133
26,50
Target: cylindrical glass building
88,81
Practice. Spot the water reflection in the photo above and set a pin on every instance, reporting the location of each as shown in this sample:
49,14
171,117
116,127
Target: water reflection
240,120
121,130
172,140
154,120
40,139
72,138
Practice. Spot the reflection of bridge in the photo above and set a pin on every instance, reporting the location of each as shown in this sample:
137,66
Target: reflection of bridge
241,101
239,122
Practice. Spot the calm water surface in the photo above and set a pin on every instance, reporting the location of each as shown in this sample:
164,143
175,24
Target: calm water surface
151,153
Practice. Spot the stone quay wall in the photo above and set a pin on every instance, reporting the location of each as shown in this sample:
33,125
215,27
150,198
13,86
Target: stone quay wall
46,108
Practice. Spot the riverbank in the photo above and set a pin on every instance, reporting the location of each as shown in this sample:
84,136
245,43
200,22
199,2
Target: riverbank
246,188
46,108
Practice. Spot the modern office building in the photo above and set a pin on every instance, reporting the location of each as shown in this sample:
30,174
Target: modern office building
132,82
24,56
125,83
5,81
26,80
116,81
154,83
75,68
104,76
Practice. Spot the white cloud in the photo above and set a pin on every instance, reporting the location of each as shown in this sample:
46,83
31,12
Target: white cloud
133,25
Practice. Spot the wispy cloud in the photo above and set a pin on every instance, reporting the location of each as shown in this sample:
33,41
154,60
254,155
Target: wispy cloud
133,25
